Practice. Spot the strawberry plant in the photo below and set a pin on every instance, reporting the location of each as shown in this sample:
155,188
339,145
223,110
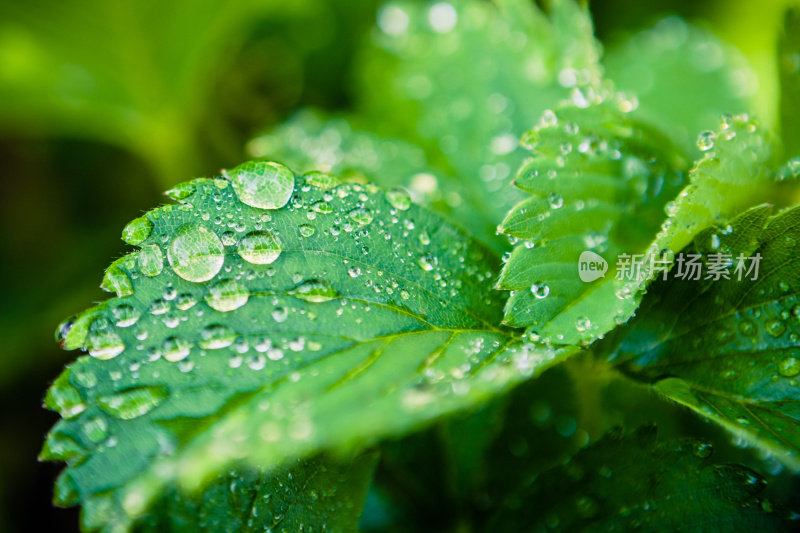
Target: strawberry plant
443,311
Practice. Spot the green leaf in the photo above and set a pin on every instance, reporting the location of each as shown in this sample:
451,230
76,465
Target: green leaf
258,336
304,496
789,73
598,181
683,77
606,197
624,483
464,79
728,349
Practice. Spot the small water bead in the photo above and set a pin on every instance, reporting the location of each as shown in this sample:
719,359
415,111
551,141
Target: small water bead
226,295
279,314
151,260
185,301
262,184
315,291
321,180
133,403
137,231
399,198
159,307
540,290
705,141
228,238
125,315
176,349
196,253
583,323
426,263
275,354
703,450
322,207
216,336
789,367
306,230
257,362
259,248
556,201
103,342
361,216
424,239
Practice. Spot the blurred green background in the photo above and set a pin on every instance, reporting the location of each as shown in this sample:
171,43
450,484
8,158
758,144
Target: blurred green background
104,105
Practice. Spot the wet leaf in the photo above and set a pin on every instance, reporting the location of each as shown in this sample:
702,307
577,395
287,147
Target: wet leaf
258,351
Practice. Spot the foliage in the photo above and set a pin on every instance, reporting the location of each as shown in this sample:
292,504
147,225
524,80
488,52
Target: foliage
313,344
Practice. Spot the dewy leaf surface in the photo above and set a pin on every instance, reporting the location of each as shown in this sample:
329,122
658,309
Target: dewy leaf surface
729,349
635,482
599,181
253,336
789,72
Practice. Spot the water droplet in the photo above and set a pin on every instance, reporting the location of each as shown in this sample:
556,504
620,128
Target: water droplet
322,207
361,216
185,301
151,260
279,314
259,248
776,327
181,191
125,315
103,342
117,281
789,367
196,253
703,449
582,323
399,198
314,290
95,429
262,184
226,295
133,403
555,201
137,231
320,180
705,141
540,290
176,349
307,230
216,336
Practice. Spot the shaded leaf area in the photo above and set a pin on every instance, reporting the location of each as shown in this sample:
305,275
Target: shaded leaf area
598,181
683,77
636,481
728,349
789,75
330,316
311,495
463,80
437,480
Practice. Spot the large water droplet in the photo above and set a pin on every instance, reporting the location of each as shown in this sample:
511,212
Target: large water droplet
117,281
226,295
103,342
540,290
259,248
399,198
216,336
314,290
196,253
789,367
151,260
176,349
125,315
321,180
705,141
262,184
95,429
137,231
361,216
133,403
